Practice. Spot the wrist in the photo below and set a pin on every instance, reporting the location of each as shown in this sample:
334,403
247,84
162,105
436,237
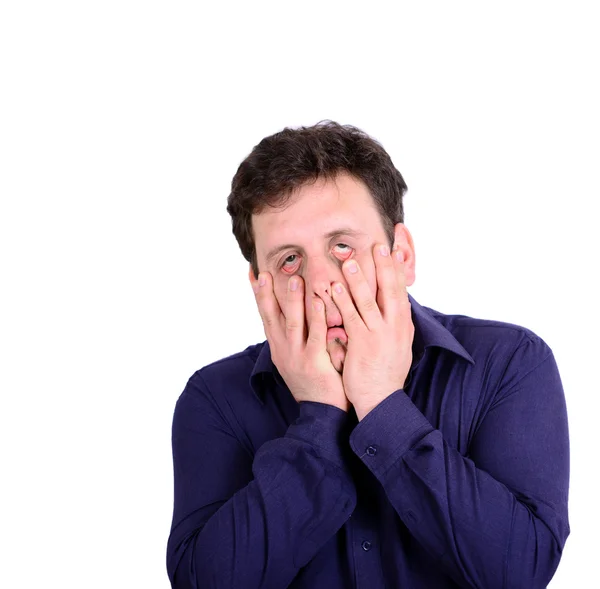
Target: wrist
323,426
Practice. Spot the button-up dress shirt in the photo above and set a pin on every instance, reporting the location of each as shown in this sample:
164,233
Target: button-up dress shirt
460,479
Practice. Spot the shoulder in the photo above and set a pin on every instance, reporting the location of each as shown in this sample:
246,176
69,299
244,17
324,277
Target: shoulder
466,326
230,372
219,393
494,341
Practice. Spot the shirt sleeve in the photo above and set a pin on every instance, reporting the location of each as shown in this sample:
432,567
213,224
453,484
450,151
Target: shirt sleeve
494,518
253,521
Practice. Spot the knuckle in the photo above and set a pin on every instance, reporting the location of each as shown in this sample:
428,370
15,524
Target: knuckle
268,321
353,317
369,304
292,324
393,291
313,338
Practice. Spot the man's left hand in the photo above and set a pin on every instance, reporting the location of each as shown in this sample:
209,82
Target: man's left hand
380,330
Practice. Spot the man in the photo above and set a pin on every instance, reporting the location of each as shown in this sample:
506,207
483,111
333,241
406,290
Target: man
370,442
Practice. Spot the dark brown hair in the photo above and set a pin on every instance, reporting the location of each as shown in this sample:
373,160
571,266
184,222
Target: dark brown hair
292,158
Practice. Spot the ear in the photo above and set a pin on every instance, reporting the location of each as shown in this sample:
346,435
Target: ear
251,276
404,241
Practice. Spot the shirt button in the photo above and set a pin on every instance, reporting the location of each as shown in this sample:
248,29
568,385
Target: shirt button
366,545
371,450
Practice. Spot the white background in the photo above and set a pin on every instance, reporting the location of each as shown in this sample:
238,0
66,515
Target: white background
121,126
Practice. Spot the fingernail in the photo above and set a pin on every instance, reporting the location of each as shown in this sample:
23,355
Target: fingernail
338,288
293,283
317,305
384,250
399,255
261,280
352,267
255,286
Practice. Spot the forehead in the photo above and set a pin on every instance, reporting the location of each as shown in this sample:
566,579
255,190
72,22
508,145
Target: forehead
315,210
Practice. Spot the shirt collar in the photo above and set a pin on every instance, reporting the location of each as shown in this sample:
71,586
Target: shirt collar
428,332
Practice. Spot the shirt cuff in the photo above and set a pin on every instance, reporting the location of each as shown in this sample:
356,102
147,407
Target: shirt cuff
388,431
325,427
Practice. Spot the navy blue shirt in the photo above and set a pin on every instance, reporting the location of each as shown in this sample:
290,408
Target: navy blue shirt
460,479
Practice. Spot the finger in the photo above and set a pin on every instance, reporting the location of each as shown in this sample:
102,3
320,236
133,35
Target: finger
317,330
268,307
388,287
353,322
398,261
294,313
364,299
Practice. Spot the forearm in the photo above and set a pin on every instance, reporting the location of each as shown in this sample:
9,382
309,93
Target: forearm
300,496
484,533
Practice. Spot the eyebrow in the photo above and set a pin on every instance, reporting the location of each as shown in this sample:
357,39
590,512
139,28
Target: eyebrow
347,231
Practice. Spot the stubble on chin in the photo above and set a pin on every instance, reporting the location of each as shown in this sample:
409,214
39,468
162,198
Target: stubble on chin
337,353
337,340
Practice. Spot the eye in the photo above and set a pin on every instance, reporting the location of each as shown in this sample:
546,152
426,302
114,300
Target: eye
289,261
343,245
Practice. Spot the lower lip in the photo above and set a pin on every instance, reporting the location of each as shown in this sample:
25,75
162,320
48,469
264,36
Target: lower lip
337,332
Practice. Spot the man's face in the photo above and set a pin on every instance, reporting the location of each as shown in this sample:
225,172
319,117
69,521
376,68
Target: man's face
323,225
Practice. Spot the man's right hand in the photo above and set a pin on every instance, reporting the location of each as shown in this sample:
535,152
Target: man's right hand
301,359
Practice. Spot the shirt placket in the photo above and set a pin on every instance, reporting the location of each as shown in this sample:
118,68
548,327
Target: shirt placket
365,542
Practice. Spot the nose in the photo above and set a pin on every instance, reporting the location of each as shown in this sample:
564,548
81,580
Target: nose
318,276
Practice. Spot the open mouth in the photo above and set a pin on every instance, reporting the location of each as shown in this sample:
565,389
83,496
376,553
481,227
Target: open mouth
338,334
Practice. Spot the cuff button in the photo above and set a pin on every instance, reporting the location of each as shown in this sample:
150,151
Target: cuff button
371,450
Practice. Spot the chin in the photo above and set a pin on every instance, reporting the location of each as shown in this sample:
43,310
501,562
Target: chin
337,353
